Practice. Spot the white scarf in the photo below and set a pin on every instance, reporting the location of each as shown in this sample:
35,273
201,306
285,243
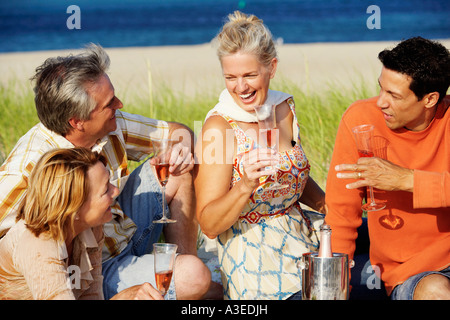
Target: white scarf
228,107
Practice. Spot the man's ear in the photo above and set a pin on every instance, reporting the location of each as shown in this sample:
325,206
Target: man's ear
76,124
431,99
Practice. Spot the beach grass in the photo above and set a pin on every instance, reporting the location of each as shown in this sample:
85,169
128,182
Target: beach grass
318,113
17,114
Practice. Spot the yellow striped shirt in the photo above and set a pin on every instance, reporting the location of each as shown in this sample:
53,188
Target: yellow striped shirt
132,140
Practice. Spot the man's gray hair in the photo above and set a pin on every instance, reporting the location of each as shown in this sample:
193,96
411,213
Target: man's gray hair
61,86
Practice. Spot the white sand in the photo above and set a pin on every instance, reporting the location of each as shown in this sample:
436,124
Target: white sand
194,69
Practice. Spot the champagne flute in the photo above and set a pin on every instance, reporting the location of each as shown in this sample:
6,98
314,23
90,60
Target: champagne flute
164,257
364,138
162,151
269,133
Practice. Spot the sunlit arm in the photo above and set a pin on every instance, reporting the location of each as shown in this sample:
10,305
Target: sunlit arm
218,206
313,196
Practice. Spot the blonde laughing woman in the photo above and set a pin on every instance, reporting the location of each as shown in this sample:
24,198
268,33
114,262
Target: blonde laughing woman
260,233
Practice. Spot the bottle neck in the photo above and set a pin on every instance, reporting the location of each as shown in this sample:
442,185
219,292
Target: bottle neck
325,242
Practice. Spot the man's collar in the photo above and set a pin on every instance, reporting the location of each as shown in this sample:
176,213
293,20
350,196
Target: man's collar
62,142
59,139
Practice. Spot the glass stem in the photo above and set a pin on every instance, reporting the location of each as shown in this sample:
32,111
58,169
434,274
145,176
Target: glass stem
371,195
164,201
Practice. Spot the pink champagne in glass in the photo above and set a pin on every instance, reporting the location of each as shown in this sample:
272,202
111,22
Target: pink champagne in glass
365,154
267,134
163,279
164,259
268,130
364,138
162,151
162,171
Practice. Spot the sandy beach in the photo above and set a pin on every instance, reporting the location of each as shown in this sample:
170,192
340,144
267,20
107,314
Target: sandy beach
195,69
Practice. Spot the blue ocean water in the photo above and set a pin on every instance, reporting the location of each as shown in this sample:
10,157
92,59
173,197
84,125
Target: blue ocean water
29,25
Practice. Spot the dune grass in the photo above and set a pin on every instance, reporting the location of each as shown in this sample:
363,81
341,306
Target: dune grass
319,113
17,114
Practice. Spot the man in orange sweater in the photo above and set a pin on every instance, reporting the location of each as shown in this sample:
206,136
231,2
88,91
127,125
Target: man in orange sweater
410,173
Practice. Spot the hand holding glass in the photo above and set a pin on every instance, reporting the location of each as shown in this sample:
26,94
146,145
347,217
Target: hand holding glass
164,258
364,139
162,152
269,134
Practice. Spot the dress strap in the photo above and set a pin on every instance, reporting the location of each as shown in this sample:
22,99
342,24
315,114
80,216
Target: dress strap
295,123
244,142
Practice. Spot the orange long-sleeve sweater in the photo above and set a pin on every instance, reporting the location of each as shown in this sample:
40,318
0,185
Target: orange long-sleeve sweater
412,234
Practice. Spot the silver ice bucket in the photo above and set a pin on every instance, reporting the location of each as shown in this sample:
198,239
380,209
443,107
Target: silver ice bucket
325,278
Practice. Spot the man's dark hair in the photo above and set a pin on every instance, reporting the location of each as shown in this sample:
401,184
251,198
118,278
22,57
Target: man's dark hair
426,62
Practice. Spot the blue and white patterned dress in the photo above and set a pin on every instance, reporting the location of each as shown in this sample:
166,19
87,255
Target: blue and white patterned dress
258,255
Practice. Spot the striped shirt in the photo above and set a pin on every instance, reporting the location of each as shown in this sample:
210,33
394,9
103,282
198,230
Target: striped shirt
131,141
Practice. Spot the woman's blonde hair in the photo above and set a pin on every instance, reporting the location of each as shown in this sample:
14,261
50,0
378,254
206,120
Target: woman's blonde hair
247,34
57,188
